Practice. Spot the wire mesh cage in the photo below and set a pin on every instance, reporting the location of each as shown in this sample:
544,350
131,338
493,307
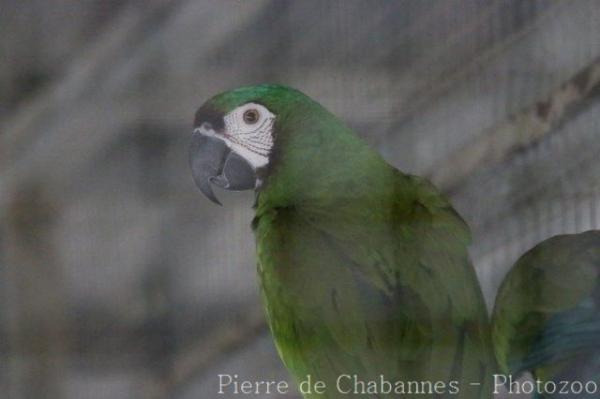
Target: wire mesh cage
119,281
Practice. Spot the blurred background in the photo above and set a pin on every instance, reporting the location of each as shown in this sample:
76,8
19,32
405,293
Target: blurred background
118,279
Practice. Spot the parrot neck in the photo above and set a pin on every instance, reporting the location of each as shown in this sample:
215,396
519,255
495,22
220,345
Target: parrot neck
322,169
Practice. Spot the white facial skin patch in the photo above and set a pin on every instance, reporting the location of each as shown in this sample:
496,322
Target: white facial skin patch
249,132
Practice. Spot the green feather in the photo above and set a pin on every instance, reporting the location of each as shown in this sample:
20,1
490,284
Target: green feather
363,269
547,314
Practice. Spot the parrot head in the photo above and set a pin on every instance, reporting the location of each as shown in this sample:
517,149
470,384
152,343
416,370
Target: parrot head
236,134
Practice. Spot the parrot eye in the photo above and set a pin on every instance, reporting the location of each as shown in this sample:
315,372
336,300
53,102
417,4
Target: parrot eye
251,116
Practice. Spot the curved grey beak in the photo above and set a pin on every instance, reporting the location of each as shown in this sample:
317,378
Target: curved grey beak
212,162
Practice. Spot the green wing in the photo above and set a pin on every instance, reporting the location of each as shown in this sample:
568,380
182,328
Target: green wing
385,288
547,313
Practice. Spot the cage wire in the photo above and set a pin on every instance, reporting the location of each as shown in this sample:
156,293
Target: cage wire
422,82
547,189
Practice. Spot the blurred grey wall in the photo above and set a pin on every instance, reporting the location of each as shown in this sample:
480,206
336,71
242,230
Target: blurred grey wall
119,280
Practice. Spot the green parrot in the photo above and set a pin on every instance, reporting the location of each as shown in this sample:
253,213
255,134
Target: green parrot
364,272
546,318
